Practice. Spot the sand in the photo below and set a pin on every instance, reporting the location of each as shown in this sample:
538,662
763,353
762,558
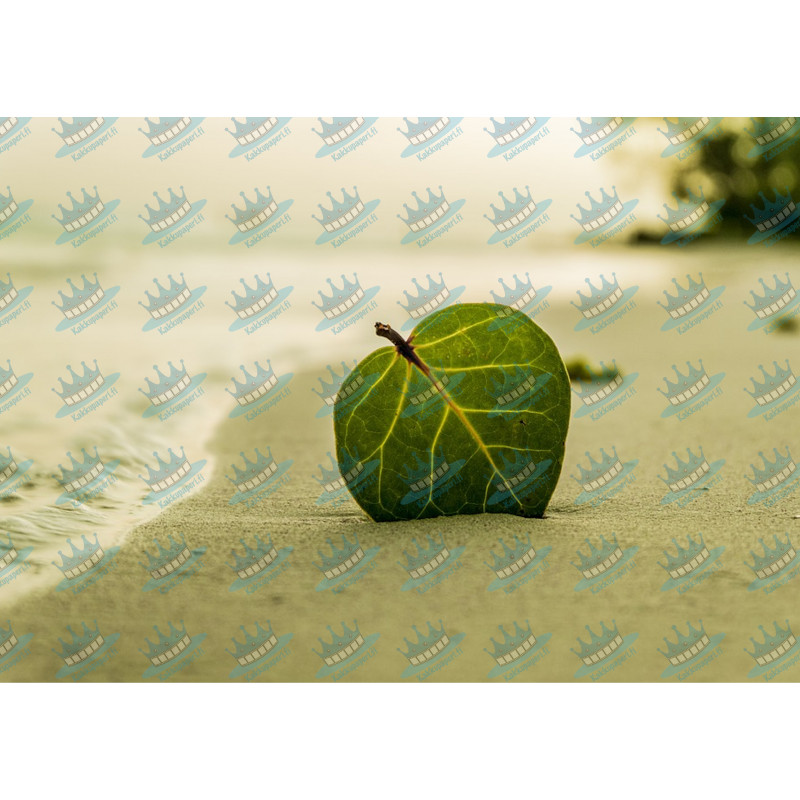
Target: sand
547,598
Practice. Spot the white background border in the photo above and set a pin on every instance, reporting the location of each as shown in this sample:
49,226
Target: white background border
318,58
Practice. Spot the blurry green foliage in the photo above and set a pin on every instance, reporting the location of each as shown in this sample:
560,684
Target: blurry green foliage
725,168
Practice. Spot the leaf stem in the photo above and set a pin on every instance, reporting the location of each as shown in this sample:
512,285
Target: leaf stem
402,346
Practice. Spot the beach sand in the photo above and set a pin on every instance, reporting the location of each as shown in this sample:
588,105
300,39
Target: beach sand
461,599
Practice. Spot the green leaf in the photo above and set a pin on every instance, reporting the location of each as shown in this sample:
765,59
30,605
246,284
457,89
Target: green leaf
483,432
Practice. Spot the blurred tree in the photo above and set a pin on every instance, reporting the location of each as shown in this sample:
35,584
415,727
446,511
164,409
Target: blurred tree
733,165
